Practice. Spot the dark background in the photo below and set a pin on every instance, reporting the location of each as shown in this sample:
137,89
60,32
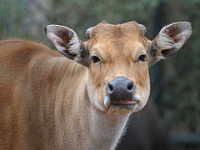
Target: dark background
175,83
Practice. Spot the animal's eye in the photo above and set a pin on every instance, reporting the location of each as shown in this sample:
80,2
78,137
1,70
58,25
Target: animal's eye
142,57
96,59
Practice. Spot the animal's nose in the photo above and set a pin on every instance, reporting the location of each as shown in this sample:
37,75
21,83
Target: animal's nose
120,89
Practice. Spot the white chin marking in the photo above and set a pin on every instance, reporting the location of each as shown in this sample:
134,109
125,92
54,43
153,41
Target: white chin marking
137,97
107,101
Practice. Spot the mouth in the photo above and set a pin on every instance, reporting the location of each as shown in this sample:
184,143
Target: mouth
125,104
128,102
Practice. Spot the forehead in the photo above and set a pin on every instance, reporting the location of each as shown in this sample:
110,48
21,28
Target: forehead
121,37
124,30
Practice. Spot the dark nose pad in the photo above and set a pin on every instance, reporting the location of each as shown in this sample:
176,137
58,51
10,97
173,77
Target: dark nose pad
120,89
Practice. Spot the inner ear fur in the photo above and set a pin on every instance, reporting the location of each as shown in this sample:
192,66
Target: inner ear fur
67,42
169,40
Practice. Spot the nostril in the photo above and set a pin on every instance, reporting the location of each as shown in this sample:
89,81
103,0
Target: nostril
110,86
130,86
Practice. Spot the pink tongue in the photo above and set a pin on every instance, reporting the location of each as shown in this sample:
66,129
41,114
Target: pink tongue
126,102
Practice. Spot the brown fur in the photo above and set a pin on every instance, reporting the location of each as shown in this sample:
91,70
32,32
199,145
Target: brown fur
106,29
30,114
50,102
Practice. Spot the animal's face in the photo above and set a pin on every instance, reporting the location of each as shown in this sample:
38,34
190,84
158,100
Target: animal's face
118,57
118,68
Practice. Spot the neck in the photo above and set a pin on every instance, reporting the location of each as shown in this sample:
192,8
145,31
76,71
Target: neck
106,129
88,127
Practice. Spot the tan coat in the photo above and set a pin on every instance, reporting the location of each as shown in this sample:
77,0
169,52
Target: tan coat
50,102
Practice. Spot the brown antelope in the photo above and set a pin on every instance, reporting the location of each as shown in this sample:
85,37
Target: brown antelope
50,102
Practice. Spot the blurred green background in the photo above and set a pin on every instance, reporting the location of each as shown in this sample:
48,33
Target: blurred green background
175,83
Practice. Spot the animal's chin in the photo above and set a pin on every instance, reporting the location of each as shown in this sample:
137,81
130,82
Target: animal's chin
127,105
123,108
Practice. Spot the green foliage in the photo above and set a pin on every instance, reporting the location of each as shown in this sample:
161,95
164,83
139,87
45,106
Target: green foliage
11,17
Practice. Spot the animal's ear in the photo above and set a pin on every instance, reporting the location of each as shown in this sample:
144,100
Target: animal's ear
67,42
169,40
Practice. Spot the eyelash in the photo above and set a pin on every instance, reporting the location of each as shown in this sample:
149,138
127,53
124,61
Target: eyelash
142,58
96,59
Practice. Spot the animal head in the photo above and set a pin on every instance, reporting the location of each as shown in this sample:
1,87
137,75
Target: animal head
118,58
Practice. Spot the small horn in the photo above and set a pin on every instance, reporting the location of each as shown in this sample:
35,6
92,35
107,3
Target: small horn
88,32
143,28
